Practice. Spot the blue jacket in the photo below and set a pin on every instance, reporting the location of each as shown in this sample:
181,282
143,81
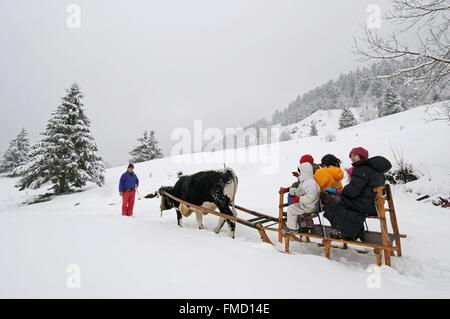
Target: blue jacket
128,181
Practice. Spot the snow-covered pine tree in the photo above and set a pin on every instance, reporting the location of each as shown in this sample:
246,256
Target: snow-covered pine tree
347,119
390,102
16,155
313,131
147,149
66,157
31,172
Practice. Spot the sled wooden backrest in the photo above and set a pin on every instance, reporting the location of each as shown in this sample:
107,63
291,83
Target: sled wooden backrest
389,242
383,195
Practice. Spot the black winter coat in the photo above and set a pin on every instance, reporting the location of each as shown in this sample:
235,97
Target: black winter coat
358,198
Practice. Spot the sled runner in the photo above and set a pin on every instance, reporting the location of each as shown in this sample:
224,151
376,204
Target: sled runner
382,242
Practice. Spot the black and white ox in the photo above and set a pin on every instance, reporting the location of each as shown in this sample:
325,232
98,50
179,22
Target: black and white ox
210,189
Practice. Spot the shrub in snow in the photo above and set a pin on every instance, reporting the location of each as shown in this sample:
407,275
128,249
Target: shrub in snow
66,157
16,155
402,175
347,119
147,149
404,172
329,138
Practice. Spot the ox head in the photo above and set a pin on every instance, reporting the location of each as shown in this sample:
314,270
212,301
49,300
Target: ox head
166,202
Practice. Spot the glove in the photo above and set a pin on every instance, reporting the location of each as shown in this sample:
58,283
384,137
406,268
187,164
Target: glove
330,190
296,174
286,189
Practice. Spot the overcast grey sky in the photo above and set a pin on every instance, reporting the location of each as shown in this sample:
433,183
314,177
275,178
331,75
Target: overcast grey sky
158,65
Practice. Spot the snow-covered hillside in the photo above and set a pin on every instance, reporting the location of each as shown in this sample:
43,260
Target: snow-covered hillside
150,256
327,122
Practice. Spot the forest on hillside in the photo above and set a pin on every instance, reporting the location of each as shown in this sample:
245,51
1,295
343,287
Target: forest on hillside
362,88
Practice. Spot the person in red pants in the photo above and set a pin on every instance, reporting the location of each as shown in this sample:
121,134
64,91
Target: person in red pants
128,184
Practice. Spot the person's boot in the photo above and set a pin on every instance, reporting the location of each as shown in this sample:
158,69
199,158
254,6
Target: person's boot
360,235
305,230
337,234
287,230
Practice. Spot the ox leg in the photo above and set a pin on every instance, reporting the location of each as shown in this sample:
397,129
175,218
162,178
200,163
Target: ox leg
231,224
199,218
179,217
219,225
226,210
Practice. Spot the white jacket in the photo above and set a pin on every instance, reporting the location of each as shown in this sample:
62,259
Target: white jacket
308,190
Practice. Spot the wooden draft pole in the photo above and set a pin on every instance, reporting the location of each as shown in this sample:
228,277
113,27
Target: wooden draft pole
233,218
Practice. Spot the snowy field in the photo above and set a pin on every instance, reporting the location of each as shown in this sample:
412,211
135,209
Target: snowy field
151,257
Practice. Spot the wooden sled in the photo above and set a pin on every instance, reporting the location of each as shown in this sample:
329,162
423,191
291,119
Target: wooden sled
382,242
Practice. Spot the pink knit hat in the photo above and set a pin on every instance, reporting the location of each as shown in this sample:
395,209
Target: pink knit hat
361,151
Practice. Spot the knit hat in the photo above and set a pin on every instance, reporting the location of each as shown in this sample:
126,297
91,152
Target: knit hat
306,159
330,160
361,151
130,166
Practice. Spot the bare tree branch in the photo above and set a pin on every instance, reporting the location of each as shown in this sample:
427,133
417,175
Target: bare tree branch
430,60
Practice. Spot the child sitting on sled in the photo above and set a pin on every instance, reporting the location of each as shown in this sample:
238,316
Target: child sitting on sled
298,214
329,173
306,158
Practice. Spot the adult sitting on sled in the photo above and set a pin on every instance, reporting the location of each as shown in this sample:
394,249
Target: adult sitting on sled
329,173
348,210
308,193
127,188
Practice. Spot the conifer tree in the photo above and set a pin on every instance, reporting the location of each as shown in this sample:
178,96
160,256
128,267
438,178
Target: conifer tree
390,103
313,131
147,149
347,119
66,157
16,155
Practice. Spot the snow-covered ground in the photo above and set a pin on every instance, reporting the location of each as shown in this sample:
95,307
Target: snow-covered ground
150,256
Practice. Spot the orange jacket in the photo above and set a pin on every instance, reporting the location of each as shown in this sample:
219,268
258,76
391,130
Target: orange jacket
330,176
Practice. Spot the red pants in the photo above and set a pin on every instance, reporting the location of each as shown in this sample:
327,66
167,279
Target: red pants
128,203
